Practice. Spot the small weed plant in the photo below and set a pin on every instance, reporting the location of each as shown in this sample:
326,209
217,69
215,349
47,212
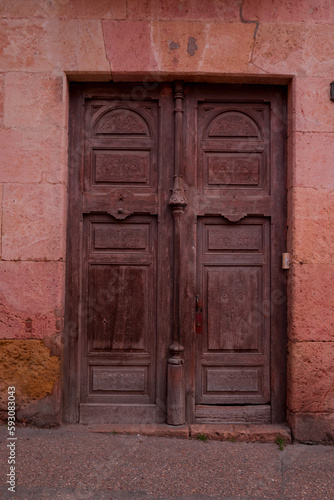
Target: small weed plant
280,442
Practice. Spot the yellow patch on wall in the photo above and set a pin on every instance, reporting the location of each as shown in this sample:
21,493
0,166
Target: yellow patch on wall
28,366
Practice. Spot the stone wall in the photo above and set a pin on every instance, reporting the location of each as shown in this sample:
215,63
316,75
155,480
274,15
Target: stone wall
44,44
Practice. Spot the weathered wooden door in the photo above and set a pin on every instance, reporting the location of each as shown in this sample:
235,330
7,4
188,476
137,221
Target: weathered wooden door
176,229
120,250
236,177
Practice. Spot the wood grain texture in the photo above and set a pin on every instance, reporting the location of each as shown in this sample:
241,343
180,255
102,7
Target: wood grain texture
237,142
260,414
178,195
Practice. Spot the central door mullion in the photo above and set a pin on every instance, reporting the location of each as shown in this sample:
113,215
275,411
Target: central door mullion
177,202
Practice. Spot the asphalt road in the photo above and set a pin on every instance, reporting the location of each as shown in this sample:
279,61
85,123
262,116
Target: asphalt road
73,462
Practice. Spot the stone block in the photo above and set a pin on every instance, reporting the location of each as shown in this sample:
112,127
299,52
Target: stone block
187,9
34,222
34,100
311,377
227,48
319,48
21,44
313,154
129,46
28,366
86,9
31,296
250,433
310,311
312,107
32,155
27,9
312,427
279,48
179,45
75,45
313,204
288,11
52,45
30,9
139,10
78,9
313,241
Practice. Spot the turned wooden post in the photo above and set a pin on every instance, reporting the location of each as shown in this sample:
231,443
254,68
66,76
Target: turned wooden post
177,202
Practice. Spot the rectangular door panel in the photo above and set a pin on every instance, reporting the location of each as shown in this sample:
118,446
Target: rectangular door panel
232,169
233,356
118,316
232,296
121,167
119,310
252,414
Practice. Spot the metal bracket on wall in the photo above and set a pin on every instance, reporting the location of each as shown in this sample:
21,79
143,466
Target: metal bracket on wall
286,261
332,91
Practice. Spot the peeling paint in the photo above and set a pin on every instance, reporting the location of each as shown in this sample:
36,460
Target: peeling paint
192,47
174,45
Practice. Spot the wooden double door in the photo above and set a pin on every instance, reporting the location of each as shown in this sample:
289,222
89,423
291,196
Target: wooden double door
175,292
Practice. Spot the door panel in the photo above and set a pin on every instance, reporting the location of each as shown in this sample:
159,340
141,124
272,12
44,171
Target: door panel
233,281
122,150
123,325
232,295
120,310
232,139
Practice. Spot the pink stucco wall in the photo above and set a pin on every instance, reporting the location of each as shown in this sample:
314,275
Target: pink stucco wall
46,44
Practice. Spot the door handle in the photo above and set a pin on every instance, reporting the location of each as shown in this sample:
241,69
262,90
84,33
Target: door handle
199,316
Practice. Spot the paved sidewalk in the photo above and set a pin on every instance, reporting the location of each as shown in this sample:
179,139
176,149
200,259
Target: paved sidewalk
73,462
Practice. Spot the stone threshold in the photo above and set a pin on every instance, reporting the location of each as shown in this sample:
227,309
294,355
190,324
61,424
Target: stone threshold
261,433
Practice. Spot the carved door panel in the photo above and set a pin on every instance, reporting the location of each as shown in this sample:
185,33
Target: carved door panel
237,206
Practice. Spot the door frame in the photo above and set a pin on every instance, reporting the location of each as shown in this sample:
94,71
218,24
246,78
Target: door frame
72,320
